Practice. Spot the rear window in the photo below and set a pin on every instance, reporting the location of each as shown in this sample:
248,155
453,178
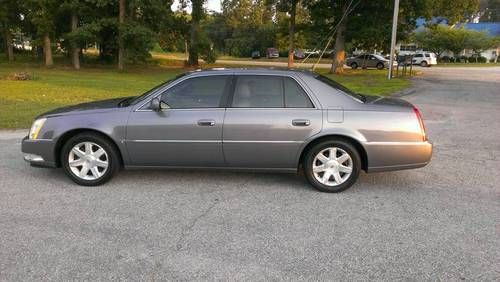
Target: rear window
340,87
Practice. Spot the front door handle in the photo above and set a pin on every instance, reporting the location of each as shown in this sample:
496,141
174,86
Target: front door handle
206,122
301,122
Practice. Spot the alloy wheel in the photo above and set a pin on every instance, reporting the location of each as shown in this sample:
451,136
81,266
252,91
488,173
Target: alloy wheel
88,161
332,166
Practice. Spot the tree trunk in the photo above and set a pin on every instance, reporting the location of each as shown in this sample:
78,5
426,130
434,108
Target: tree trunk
47,50
291,33
339,50
121,45
193,50
8,43
197,9
76,51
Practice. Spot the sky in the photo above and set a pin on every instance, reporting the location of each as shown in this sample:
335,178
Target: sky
210,5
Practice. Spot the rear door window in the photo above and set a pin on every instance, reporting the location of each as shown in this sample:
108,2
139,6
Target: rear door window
258,91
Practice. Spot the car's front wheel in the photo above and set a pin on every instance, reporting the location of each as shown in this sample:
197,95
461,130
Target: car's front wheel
380,66
354,66
89,159
332,166
423,64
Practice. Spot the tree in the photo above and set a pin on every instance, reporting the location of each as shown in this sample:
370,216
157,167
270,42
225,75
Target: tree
331,17
290,7
491,13
437,39
196,16
478,41
74,9
42,14
10,13
121,44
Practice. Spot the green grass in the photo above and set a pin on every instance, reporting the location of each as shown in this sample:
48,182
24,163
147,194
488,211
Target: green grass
369,82
468,64
21,101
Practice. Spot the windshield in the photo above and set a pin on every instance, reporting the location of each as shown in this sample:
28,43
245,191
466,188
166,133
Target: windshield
133,100
340,87
379,57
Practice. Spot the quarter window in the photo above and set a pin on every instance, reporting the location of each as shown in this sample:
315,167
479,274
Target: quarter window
198,92
295,97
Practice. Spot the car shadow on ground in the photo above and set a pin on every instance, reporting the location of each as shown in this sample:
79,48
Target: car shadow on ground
176,178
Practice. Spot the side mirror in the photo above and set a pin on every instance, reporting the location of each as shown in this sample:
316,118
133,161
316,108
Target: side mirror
158,105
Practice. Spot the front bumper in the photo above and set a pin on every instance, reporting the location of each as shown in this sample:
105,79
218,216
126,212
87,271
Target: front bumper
39,152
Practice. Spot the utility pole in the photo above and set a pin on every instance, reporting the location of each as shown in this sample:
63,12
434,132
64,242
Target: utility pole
393,37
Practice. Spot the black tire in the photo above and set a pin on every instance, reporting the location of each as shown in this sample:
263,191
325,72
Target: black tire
423,64
354,66
112,157
316,149
380,66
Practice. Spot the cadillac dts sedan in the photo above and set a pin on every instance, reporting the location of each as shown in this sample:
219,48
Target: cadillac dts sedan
261,119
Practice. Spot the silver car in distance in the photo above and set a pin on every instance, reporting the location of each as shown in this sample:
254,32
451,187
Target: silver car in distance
249,119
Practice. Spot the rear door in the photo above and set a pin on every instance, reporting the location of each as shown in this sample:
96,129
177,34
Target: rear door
268,119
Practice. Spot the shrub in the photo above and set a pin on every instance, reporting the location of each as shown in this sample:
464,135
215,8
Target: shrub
209,55
481,59
20,76
445,59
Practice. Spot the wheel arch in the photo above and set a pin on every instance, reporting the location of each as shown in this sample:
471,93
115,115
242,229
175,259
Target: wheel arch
359,147
68,134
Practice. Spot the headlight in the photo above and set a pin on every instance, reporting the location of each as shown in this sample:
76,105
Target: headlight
36,127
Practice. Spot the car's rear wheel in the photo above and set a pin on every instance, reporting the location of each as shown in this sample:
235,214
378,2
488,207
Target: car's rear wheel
380,66
423,64
332,166
354,66
89,159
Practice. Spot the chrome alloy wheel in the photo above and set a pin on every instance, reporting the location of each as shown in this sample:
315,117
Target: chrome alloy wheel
88,161
332,166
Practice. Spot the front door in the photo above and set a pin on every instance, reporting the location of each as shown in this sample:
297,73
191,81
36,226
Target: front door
189,133
267,123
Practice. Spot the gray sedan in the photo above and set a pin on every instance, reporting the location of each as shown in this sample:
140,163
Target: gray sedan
272,120
368,61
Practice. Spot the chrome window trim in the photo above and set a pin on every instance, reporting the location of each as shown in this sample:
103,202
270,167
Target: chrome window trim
172,141
396,143
312,98
213,141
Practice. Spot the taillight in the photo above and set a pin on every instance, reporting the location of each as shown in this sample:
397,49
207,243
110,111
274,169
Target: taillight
421,122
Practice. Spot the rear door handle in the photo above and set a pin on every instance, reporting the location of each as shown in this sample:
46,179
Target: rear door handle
206,122
301,122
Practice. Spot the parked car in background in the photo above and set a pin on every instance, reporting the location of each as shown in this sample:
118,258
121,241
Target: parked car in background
368,61
424,59
311,52
299,54
272,53
248,119
256,55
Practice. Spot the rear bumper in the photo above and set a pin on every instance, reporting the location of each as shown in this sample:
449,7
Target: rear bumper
387,156
39,153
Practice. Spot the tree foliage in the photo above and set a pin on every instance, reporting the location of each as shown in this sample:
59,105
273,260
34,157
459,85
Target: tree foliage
441,38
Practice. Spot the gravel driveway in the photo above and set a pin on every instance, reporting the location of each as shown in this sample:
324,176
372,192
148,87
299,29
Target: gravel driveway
440,222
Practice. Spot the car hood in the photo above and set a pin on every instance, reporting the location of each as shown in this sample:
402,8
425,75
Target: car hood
97,105
387,101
